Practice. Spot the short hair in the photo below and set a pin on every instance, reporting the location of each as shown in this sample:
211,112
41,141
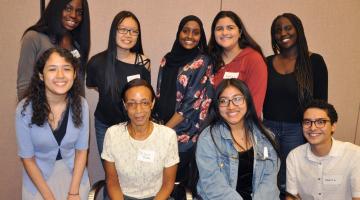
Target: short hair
325,106
137,83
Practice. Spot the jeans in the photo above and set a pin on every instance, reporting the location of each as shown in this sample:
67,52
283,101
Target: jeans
100,130
289,136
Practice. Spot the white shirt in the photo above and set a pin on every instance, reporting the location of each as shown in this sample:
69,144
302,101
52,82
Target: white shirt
335,176
140,164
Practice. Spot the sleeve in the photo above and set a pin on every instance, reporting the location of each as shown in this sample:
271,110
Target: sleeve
191,101
291,182
172,156
91,73
355,177
83,140
28,52
320,76
106,153
25,145
256,80
214,184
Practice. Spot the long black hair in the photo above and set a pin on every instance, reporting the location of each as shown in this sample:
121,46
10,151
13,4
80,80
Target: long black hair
251,119
244,41
112,85
303,70
36,95
50,24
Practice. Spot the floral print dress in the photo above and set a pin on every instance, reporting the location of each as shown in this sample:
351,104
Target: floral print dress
194,87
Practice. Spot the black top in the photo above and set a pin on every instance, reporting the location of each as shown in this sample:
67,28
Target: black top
60,131
245,173
108,111
281,100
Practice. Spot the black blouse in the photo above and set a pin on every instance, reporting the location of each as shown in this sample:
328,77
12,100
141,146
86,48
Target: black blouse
245,173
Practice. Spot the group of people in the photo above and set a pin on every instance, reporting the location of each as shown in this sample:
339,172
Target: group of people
222,116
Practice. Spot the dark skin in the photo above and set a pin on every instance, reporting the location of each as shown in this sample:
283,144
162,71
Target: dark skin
286,39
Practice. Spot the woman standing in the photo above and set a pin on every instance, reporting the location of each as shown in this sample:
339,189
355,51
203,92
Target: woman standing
110,70
64,24
236,156
52,129
295,77
140,156
184,88
237,55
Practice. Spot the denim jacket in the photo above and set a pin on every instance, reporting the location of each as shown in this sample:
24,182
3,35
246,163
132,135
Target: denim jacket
218,170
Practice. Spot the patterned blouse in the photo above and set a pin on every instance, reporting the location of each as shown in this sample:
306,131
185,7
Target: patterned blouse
194,87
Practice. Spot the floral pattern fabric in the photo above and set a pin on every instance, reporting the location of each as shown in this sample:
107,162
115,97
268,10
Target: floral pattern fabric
194,87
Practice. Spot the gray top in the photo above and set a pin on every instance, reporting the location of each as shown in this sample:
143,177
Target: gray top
32,46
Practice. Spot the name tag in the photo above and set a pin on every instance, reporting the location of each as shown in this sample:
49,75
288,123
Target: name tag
230,75
132,77
146,155
332,179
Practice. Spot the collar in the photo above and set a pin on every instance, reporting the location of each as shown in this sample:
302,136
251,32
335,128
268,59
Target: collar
336,150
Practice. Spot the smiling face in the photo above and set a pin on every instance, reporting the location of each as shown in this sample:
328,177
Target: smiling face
227,34
58,76
234,113
72,15
127,34
318,135
190,34
285,33
139,103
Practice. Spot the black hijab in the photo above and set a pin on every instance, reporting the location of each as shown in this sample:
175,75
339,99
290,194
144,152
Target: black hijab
175,59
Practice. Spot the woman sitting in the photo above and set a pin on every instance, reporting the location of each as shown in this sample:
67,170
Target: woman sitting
140,156
236,156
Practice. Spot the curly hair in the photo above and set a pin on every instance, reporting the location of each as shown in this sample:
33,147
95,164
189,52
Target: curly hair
303,70
215,50
35,93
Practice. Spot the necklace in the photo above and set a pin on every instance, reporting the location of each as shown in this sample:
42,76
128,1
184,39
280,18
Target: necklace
142,142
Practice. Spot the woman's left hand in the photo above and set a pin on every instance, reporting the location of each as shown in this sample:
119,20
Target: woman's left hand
184,138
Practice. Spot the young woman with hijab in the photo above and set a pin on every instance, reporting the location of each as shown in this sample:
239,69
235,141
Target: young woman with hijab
140,156
110,70
52,130
236,156
237,55
184,88
64,24
295,77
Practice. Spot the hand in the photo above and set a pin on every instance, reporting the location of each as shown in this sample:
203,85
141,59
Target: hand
184,138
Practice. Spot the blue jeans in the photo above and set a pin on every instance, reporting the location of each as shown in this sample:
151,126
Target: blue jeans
289,136
100,130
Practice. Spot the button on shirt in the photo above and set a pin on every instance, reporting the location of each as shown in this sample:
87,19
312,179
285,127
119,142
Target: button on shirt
335,176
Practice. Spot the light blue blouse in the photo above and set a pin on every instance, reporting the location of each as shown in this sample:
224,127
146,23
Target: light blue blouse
40,143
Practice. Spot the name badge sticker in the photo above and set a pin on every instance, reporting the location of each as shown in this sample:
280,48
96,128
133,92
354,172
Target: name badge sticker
146,155
332,179
132,77
230,75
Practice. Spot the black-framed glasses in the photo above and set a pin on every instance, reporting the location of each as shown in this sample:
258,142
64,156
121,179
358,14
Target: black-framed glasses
237,101
319,123
143,104
123,30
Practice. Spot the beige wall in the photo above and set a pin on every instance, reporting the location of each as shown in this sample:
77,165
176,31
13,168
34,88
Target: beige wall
331,27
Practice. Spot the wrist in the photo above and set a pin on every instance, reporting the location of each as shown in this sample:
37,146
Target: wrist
73,194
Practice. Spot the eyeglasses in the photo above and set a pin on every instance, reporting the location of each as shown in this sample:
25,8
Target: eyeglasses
143,104
237,101
124,31
319,123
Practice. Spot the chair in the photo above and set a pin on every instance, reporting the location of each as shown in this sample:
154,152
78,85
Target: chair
96,187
